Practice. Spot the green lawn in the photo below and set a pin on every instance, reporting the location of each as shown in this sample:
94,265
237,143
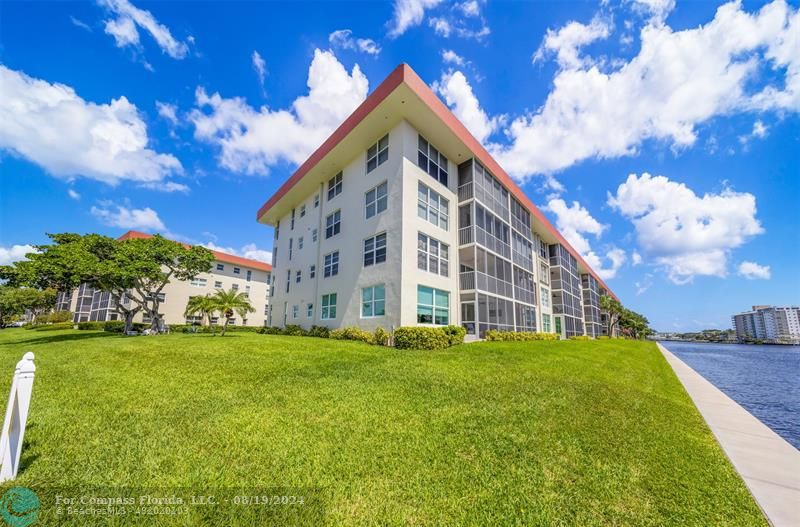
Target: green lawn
541,433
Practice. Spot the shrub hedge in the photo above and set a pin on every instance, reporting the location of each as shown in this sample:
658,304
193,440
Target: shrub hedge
381,337
495,335
319,331
54,317
50,327
293,330
84,326
352,334
421,338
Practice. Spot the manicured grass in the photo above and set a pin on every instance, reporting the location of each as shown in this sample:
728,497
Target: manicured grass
522,433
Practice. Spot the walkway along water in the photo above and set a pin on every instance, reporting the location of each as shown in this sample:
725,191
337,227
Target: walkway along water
768,464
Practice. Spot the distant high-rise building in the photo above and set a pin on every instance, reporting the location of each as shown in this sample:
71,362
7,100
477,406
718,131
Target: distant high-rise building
768,323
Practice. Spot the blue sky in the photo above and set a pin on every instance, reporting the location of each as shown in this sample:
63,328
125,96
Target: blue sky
662,138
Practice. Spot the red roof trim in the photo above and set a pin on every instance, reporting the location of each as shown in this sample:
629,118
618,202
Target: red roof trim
404,74
222,257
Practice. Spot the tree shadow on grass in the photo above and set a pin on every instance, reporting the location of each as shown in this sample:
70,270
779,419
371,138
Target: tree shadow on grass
69,337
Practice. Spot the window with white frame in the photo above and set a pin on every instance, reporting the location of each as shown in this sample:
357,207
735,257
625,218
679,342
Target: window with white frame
373,301
432,206
334,186
199,282
376,200
312,271
331,264
378,153
433,306
432,161
295,311
545,297
328,307
217,285
333,224
432,255
314,235
375,249
309,310
546,323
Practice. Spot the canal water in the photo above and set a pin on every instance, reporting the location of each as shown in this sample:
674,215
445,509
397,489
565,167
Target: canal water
765,380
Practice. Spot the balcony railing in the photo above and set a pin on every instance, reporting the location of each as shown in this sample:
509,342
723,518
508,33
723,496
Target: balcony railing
467,280
465,191
466,235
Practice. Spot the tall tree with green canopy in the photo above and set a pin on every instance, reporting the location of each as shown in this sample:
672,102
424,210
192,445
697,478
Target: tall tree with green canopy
230,302
134,271
15,301
613,309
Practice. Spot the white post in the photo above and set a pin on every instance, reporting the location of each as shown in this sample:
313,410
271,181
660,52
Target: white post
13,432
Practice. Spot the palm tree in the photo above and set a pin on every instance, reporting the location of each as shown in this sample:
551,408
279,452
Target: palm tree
204,305
230,302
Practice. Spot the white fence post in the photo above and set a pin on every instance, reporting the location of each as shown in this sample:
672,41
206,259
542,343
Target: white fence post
19,400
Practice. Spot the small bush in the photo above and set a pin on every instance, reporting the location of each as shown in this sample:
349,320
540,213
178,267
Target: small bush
580,337
421,338
270,330
52,327
506,336
381,337
293,330
114,326
60,316
455,334
84,326
319,331
352,334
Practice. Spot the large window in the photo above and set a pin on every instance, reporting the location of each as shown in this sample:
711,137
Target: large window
432,206
373,301
334,186
546,323
328,307
331,267
432,255
333,224
545,297
375,250
199,282
432,161
378,153
376,200
433,306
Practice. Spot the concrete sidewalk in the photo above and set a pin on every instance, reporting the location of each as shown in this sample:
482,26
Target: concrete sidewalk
768,464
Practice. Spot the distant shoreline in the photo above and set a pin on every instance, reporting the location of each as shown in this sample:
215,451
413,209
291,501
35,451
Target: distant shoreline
731,343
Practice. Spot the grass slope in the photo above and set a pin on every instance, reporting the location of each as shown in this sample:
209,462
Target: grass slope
540,433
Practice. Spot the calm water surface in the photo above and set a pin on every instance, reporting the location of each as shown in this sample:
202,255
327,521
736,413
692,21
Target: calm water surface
763,379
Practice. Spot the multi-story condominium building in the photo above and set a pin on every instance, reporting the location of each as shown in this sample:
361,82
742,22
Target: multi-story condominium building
768,323
402,218
227,271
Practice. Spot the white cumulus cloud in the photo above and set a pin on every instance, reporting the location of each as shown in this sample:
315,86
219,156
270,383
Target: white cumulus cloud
754,271
688,235
127,18
451,57
260,67
73,194
409,13
566,42
247,251
343,38
738,62
124,217
458,95
52,126
15,253
251,140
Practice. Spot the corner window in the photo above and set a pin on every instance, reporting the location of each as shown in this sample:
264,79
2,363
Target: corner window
431,206
328,307
376,200
331,265
373,301
432,255
432,161
334,186
378,153
375,250
433,306
333,224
